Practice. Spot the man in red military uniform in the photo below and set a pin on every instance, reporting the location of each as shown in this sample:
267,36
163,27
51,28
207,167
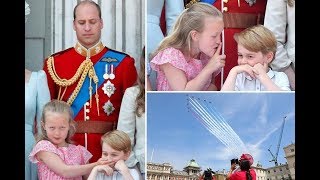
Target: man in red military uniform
237,15
91,78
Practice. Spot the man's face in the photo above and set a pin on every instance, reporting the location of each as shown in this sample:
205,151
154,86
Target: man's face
87,25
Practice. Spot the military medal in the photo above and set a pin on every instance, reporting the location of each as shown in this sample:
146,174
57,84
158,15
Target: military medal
108,88
108,75
108,107
111,75
106,70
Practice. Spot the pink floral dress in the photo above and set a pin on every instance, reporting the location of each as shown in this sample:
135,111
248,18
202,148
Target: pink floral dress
175,57
71,155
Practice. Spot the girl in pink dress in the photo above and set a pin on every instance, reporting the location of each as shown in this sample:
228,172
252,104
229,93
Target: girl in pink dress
54,154
189,58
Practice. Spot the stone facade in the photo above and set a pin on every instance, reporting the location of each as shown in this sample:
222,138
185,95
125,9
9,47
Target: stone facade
279,172
192,170
290,152
165,171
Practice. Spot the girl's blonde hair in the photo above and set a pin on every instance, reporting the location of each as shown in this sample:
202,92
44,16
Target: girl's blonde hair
190,19
57,106
140,100
257,38
118,140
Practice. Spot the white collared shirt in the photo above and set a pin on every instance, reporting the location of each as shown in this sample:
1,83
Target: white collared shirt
246,83
117,175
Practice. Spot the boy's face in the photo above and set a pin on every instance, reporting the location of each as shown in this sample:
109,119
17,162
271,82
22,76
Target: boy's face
251,58
112,155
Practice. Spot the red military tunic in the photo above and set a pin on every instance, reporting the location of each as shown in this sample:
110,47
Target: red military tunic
253,15
66,64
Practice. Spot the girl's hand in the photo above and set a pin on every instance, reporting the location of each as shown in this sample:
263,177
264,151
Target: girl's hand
103,161
217,61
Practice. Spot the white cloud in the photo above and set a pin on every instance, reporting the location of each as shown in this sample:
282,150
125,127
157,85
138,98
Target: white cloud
262,117
265,137
255,151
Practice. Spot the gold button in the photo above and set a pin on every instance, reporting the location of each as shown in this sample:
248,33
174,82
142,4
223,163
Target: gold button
225,9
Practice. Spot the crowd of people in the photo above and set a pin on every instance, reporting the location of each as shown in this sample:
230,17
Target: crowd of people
240,169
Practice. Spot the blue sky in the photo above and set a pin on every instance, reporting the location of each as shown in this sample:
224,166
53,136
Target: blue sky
176,136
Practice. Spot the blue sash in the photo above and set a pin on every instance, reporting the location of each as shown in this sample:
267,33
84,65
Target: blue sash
208,1
99,67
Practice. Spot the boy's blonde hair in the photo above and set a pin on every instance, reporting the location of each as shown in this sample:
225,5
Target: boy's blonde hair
257,38
118,140
190,19
61,107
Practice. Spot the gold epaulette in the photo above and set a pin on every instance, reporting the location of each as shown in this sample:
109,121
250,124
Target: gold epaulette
85,67
60,52
66,82
191,3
